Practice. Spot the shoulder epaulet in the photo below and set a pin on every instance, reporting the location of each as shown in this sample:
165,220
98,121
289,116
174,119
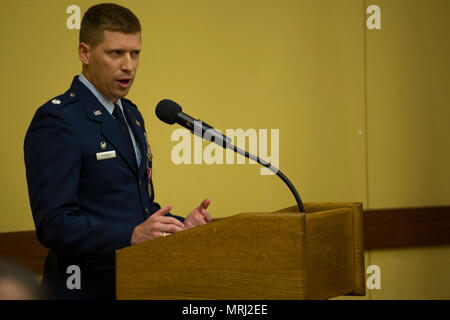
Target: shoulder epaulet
63,100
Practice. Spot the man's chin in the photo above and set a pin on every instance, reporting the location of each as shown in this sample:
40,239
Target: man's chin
121,93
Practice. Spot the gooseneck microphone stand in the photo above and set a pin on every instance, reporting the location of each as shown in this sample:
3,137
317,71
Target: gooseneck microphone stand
271,168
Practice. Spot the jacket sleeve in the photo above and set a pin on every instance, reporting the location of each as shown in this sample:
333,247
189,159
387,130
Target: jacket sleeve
53,160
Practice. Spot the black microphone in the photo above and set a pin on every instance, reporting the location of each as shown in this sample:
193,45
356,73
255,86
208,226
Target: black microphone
170,112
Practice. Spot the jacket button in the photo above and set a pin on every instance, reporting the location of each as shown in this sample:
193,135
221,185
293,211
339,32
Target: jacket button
146,210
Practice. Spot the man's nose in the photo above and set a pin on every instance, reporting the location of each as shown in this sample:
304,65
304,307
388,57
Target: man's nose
127,63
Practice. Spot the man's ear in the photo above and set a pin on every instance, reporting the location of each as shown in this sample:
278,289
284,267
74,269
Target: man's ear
84,51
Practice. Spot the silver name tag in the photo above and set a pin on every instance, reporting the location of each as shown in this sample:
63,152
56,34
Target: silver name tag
106,155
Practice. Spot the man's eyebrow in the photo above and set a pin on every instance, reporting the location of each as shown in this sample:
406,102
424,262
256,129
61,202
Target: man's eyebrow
123,50
114,49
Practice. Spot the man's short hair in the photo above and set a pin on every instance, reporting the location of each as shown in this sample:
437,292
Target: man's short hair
106,16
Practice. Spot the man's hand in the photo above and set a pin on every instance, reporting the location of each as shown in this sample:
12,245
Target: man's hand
199,215
155,226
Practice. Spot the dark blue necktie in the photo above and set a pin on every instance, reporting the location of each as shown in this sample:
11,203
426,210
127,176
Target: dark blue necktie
117,113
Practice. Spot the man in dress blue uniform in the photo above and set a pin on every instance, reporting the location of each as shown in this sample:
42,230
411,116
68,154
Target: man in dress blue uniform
89,164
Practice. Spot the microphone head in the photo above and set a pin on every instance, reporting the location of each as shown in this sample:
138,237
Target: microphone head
167,111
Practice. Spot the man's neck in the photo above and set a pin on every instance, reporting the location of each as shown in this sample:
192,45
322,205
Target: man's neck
86,74
109,105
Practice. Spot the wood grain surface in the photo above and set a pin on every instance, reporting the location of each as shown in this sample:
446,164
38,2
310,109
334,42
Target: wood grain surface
247,256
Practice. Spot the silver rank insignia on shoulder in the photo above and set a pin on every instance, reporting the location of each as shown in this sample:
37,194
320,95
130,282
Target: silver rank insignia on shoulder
56,101
103,145
97,112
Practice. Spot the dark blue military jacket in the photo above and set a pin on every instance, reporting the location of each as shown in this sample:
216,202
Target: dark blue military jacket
85,206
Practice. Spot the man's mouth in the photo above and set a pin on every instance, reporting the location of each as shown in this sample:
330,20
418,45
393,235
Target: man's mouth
124,83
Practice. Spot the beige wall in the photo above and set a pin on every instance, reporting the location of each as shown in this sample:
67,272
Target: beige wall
408,105
363,114
408,119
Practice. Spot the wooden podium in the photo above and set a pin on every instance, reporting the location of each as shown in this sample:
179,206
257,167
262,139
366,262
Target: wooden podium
252,256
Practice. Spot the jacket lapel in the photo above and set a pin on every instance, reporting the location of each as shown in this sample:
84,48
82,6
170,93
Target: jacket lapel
110,127
111,130
138,131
